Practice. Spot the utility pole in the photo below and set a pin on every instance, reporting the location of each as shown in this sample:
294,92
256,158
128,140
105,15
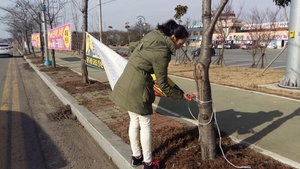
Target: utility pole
291,78
100,20
47,61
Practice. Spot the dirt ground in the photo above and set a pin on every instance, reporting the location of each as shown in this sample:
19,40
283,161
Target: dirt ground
53,138
175,144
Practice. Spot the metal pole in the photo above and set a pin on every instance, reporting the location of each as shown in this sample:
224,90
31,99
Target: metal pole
100,20
140,21
292,76
47,61
140,31
274,59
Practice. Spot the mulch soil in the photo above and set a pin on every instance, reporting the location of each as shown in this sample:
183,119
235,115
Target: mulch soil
175,144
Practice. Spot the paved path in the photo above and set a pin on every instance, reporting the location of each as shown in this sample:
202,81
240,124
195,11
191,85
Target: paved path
268,123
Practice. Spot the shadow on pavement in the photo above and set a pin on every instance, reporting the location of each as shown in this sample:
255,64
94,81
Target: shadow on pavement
19,137
232,121
183,108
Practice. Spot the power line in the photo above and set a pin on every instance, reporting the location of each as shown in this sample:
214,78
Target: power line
90,9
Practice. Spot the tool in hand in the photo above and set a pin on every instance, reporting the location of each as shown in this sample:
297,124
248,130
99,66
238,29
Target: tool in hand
191,96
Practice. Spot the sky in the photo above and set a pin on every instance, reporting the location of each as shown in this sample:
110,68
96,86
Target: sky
116,13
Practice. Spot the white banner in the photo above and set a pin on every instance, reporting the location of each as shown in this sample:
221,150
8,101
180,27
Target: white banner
113,63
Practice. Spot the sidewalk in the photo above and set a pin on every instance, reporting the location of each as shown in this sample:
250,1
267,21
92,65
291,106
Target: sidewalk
269,123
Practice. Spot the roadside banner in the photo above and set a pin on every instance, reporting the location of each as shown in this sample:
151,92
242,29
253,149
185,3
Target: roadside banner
103,57
93,58
59,38
35,40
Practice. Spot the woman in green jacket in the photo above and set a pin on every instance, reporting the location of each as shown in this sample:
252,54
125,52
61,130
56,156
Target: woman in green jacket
134,89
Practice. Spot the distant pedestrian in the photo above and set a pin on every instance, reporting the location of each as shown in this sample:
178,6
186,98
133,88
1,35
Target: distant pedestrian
134,89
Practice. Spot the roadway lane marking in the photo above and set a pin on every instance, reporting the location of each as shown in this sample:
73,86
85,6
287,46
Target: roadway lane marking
18,149
238,65
234,60
5,141
277,67
13,150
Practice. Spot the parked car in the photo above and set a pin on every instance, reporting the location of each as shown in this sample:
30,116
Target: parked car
272,46
220,46
196,53
6,49
231,46
247,46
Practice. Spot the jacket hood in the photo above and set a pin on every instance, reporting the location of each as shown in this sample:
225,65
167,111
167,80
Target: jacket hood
169,42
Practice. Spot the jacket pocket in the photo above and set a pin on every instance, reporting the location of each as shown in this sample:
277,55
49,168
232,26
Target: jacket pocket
148,94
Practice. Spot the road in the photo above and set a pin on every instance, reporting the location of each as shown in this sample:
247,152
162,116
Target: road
29,135
242,58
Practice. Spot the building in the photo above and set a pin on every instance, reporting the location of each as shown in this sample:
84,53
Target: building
229,30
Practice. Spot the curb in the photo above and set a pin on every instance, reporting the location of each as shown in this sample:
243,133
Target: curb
112,144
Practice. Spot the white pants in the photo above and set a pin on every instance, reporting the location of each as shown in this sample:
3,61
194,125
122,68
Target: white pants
140,134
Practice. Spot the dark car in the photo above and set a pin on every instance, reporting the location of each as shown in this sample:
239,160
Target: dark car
231,46
196,53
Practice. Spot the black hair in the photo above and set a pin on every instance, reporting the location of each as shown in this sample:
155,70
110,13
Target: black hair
172,28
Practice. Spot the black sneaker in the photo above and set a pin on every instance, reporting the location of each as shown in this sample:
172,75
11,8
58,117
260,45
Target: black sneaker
152,165
136,161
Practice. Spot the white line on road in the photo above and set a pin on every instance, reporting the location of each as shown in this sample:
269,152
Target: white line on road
278,67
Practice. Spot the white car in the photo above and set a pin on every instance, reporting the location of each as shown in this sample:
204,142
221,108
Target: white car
6,49
220,46
272,46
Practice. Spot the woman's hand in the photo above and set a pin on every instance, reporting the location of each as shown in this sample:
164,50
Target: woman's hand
188,96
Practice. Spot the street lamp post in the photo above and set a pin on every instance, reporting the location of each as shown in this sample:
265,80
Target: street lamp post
108,35
127,27
47,61
140,21
100,20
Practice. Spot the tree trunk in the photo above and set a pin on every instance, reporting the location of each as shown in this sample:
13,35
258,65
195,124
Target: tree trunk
207,137
263,60
84,71
220,60
33,51
52,50
253,62
53,58
206,132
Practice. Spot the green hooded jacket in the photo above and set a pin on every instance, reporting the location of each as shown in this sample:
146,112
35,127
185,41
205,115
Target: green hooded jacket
134,89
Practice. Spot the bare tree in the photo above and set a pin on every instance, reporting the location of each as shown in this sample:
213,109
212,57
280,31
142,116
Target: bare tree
227,22
187,22
207,135
20,19
261,27
75,19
